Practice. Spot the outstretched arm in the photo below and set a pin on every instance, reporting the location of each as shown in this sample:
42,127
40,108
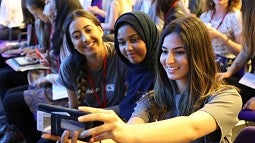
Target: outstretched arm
114,128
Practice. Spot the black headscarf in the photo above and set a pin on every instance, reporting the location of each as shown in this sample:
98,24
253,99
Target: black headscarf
140,77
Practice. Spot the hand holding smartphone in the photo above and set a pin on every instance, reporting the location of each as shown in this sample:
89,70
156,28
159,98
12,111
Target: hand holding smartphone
56,119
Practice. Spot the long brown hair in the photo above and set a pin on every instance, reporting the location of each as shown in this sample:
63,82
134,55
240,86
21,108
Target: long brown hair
201,77
248,13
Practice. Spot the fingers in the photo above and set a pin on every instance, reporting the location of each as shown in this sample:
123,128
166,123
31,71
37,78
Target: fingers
64,136
246,105
99,131
109,116
93,110
100,137
250,104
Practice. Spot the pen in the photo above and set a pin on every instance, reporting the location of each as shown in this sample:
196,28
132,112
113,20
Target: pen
40,55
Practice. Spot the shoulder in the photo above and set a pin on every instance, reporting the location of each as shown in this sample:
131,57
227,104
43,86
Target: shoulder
226,91
66,64
206,15
235,14
224,99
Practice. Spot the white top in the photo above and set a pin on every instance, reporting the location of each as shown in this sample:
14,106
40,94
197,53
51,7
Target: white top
11,14
231,27
146,6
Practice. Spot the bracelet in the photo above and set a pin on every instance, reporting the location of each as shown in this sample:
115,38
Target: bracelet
227,39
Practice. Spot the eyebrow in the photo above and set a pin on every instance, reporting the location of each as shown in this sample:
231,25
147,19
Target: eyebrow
84,27
133,35
175,48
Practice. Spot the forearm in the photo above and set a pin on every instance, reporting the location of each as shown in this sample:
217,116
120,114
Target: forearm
72,100
52,78
191,128
163,131
101,13
233,47
240,61
135,120
108,26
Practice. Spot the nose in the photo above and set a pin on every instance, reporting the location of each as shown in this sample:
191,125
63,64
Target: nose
85,37
128,46
170,58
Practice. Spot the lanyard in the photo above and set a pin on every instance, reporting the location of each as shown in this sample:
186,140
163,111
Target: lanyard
220,21
170,9
91,82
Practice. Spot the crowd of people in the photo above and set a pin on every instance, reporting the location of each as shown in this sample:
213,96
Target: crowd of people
147,69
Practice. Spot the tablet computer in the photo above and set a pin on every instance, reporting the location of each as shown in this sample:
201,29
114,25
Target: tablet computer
23,61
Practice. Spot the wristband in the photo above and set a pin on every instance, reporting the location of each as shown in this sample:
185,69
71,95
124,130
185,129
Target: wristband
227,39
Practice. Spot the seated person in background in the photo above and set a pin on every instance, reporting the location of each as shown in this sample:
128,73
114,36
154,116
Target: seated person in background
193,7
96,7
21,112
149,7
38,37
12,48
247,53
38,31
187,95
114,10
224,24
11,16
169,10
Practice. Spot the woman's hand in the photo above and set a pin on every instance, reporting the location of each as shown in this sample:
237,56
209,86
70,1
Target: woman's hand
40,81
93,9
64,137
214,33
221,76
30,53
250,104
3,49
113,127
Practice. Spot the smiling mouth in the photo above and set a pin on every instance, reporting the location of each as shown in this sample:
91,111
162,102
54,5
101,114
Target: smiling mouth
172,68
89,45
131,54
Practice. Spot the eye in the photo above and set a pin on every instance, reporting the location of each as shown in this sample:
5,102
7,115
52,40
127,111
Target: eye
164,51
122,42
179,52
88,30
135,39
76,35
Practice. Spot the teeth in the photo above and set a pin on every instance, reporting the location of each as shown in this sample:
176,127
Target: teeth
89,45
172,68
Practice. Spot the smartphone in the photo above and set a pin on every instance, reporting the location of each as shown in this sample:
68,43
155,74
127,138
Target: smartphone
55,119
23,61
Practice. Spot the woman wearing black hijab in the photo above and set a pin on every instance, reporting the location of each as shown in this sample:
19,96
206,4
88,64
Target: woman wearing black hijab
136,38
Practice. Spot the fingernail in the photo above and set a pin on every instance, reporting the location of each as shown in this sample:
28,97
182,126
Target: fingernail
83,133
